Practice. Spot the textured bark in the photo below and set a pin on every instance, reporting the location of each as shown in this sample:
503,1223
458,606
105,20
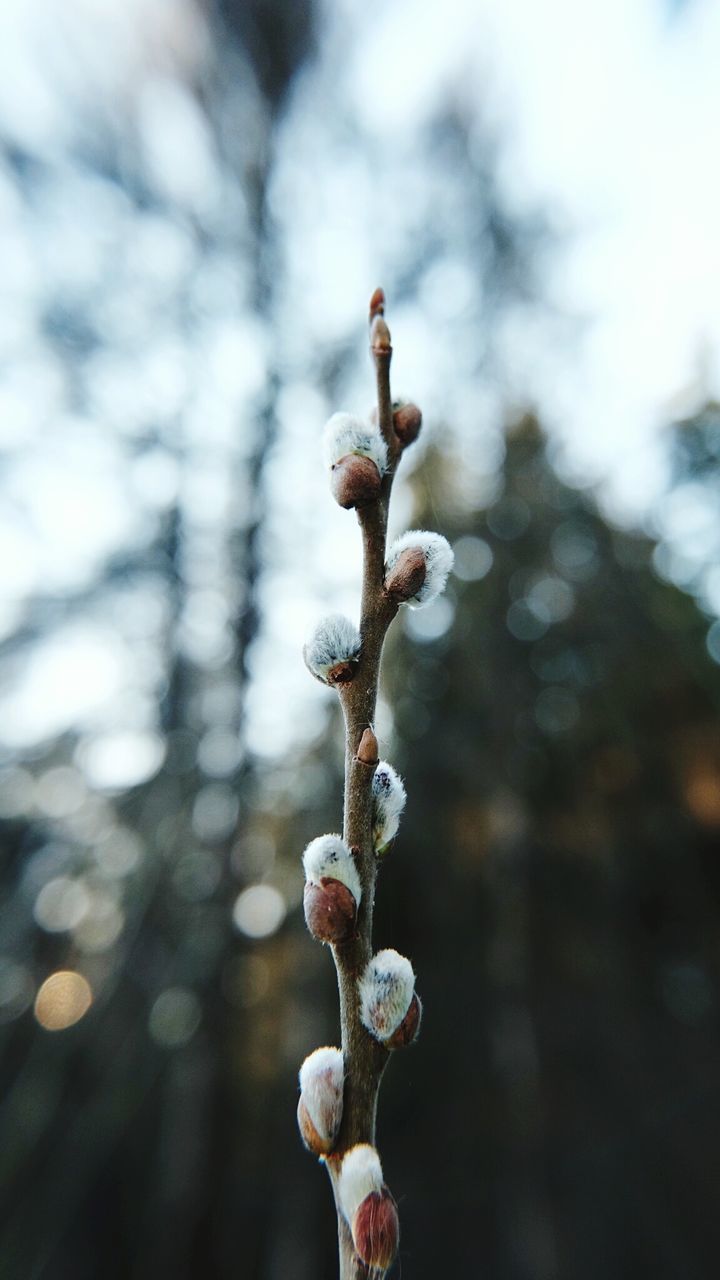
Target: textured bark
365,1058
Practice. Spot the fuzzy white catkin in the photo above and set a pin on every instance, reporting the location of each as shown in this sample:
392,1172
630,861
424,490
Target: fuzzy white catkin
386,990
360,1175
388,803
438,556
322,1076
344,434
335,639
330,856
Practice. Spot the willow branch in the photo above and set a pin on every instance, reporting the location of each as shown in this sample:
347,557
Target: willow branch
379,1010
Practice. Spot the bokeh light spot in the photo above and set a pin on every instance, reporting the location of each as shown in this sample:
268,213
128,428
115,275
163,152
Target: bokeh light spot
525,623
174,1017
556,710
61,904
551,599
574,550
102,925
118,853
63,999
215,812
259,911
473,559
431,622
219,753
115,761
59,792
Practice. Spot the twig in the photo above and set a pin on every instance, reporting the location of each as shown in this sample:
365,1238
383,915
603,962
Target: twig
338,1102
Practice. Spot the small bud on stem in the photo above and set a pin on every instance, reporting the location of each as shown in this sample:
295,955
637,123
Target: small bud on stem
357,455
407,575
333,891
407,421
376,1231
369,1208
331,651
367,752
355,481
330,911
380,337
402,572
389,799
321,1100
386,990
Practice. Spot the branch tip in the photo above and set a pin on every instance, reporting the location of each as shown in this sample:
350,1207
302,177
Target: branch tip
377,304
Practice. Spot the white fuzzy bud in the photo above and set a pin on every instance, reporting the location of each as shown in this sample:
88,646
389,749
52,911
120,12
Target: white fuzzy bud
360,1175
322,1077
344,434
438,558
386,990
388,803
329,857
332,649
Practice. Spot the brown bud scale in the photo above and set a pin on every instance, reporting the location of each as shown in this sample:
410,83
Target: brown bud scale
407,421
342,673
367,752
377,303
407,576
355,481
376,1230
409,1028
380,337
309,1134
330,911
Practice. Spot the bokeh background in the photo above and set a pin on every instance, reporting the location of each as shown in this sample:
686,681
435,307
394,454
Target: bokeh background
196,201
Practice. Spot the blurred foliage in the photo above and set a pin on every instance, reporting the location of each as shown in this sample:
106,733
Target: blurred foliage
555,882
560,741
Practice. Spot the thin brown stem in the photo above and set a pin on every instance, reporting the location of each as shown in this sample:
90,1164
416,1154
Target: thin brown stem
365,1058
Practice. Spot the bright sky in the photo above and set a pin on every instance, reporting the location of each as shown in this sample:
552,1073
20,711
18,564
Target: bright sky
609,114
617,113
606,113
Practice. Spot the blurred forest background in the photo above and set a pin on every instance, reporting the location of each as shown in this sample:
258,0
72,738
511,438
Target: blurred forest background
167,365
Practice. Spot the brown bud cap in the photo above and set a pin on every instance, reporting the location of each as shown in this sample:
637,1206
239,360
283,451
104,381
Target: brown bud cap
341,673
380,337
407,421
367,752
407,576
355,481
376,1230
377,304
309,1134
330,910
408,1030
